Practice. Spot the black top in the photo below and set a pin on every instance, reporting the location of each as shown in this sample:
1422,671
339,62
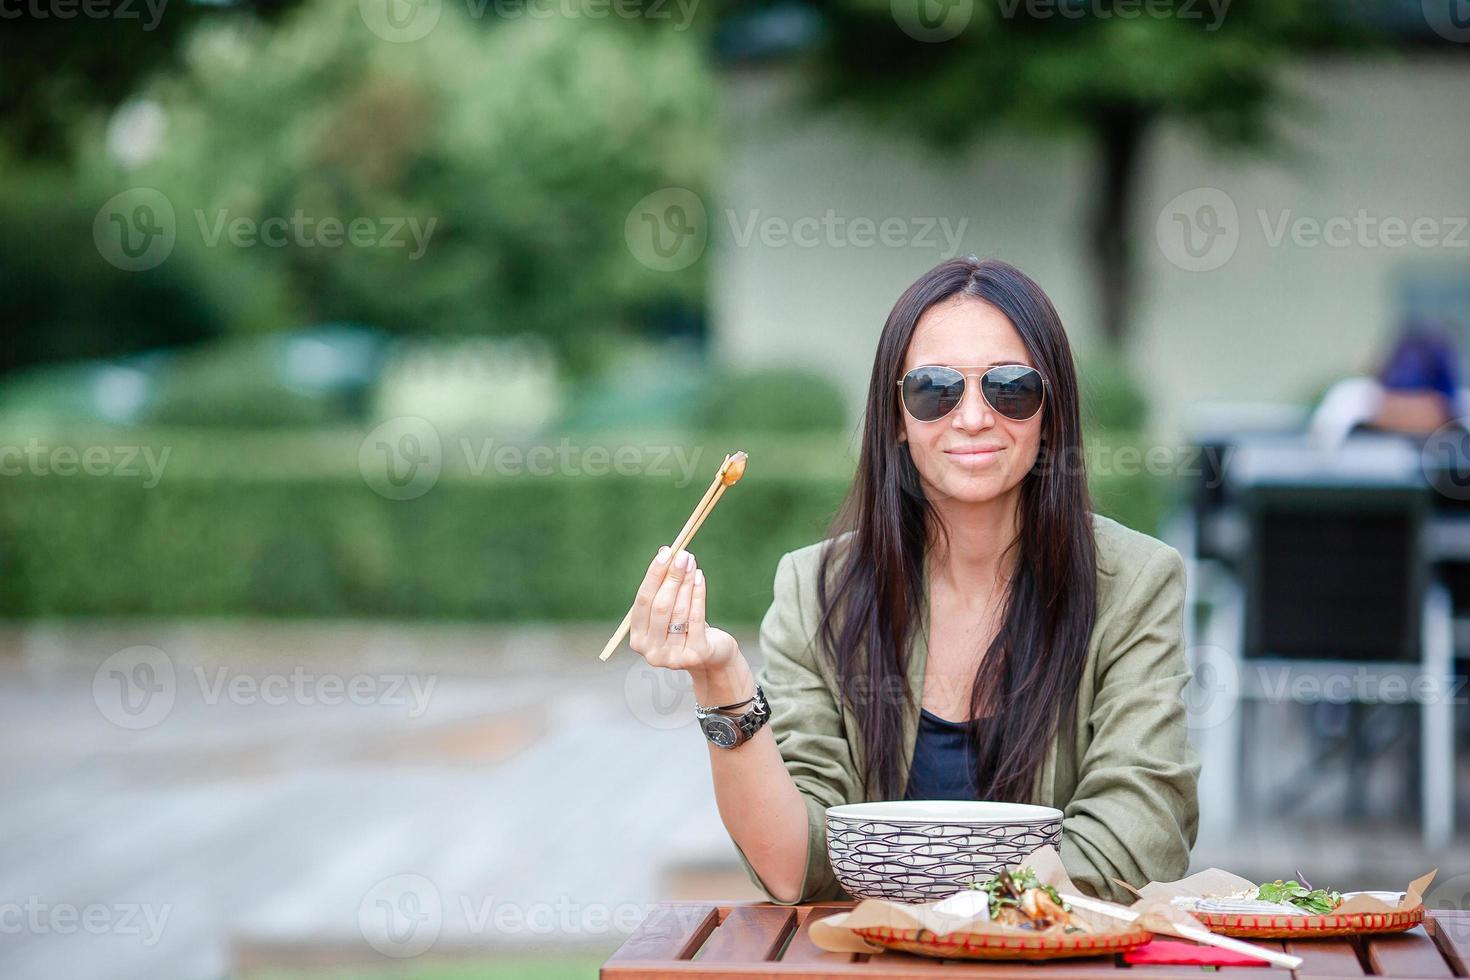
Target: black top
944,762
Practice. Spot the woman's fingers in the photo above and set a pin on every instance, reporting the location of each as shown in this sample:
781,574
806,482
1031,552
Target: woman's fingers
679,641
661,611
643,601
696,604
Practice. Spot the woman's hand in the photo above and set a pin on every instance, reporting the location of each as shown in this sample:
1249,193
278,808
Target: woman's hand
674,591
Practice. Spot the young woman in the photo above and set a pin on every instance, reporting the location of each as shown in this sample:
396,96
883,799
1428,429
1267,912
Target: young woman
971,629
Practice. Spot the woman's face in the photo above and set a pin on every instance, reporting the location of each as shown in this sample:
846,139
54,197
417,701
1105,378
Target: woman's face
963,331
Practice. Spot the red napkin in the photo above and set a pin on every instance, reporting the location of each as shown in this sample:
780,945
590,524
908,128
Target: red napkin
1173,951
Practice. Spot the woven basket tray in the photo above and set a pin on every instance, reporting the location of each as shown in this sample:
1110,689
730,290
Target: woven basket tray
977,946
1309,926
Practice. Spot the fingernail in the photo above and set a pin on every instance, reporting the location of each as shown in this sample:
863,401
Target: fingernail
683,560
699,576
663,555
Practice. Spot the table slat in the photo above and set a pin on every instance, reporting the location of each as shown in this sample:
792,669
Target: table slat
749,934
1326,957
671,932
1451,933
1406,954
801,949
1269,971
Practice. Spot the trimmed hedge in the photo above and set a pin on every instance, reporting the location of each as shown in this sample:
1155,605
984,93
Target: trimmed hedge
286,525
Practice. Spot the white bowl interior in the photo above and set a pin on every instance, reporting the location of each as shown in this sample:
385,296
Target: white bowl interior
946,811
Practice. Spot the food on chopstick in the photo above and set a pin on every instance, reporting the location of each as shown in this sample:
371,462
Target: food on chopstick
1023,901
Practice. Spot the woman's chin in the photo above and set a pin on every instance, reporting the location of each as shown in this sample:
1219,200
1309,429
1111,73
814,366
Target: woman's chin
967,488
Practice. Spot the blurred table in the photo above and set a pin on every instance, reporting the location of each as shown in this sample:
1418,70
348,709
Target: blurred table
717,941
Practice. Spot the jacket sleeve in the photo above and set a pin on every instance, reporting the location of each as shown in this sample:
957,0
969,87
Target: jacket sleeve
1135,813
807,724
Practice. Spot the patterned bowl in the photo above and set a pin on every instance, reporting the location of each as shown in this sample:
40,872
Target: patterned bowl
924,850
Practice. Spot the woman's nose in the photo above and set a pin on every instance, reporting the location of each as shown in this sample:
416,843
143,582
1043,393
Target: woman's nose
974,412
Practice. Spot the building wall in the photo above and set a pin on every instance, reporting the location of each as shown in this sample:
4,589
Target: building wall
1270,322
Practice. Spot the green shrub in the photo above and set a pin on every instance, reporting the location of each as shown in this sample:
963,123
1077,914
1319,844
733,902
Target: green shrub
773,400
285,524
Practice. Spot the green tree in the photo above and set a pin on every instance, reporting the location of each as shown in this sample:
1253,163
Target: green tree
506,153
1107,71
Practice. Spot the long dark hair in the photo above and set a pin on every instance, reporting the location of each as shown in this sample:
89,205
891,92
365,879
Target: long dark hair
1031,671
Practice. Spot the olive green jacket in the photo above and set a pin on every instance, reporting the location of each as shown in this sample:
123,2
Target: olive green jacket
1124,776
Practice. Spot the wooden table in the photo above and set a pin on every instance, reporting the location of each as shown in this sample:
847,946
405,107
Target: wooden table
744,940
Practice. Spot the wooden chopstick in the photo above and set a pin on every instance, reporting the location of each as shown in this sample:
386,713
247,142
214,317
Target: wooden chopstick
1198,933
729,473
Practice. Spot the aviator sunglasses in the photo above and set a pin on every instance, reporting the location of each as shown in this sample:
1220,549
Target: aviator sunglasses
931,391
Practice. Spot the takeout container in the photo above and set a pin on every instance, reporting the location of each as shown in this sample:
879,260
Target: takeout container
921,850
1361,913
928,929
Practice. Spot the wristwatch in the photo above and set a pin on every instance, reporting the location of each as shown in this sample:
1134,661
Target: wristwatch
726,729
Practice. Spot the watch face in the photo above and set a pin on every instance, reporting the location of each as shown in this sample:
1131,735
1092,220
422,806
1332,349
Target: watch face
722,731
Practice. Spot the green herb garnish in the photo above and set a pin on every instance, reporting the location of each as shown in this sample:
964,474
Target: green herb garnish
1318,901
1024,879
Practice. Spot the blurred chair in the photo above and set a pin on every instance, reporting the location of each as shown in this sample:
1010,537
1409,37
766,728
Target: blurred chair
1205,526
1333,586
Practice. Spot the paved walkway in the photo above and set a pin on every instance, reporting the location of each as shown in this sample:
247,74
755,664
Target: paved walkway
170,793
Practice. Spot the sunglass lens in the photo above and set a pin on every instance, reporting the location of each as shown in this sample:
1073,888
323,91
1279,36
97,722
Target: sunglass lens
1013,390
931,393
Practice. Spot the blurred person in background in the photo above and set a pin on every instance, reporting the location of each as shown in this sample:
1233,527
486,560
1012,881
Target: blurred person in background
1416,392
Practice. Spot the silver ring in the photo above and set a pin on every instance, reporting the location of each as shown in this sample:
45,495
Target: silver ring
678,627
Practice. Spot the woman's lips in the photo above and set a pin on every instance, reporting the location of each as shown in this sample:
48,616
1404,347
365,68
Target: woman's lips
972,456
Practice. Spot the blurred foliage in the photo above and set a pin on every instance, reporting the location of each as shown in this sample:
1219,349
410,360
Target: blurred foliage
65,65
295,380
772,400
285,524
513,148
1112,398
62,301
